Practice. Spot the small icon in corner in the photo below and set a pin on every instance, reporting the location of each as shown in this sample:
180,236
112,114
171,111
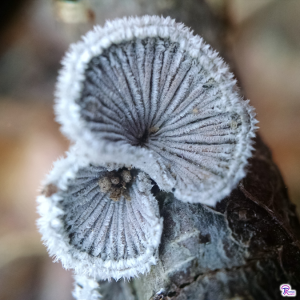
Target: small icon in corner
286,290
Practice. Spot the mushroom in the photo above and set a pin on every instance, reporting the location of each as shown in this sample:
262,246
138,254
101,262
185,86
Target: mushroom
97,231
147,92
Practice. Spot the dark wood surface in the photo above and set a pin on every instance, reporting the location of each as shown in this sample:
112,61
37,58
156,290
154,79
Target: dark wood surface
243,249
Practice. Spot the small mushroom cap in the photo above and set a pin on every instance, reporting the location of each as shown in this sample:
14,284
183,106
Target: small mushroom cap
104,184
115,180
97,233
147,92
126,176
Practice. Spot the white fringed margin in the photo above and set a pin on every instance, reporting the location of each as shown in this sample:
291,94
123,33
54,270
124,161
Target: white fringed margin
56,239
70,84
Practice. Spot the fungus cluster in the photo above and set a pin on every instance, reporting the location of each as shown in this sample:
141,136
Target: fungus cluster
143,100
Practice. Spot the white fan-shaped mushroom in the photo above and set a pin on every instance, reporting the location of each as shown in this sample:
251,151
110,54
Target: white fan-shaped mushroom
147,92
102,232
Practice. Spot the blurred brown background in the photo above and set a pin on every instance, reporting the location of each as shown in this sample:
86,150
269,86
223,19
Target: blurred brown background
263,43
